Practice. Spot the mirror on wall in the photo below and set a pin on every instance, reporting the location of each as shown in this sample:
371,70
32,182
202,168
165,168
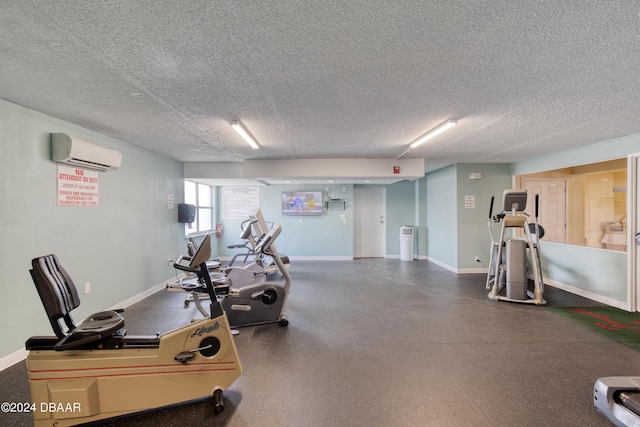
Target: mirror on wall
582,205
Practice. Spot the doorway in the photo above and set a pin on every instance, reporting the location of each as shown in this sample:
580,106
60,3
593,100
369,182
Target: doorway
552,206
369,222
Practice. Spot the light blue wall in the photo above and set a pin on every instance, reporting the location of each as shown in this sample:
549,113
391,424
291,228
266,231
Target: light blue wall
322,236
473,234
400,208
599,271
421,218
442,227
606,150
455,233
121,246
593,270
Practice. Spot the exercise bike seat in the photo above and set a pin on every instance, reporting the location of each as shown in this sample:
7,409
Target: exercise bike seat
59,297
221,285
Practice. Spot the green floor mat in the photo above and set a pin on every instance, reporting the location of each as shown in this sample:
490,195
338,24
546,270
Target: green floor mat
610,321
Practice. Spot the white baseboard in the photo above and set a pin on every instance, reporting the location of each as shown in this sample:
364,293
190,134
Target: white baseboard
442,264
587,294
17,356
13,358
305,258
321,258
139,297
468,270
472,270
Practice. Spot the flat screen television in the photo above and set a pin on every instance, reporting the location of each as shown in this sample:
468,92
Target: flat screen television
302,202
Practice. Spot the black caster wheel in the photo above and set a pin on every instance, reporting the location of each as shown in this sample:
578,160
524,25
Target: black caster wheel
218,406
283,322
186,303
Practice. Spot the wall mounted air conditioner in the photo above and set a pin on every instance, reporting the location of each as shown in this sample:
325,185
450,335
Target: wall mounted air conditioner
72,151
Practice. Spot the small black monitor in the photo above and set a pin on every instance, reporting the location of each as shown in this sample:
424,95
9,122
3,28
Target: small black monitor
514,200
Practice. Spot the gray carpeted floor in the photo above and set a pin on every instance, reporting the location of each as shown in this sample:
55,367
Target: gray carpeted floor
377,342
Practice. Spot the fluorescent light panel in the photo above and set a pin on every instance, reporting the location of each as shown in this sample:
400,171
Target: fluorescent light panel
437,131
403,154
237,126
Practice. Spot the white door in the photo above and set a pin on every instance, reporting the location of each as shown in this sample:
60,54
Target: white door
368,223
552,208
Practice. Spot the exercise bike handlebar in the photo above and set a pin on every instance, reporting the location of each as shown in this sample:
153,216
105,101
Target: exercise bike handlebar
177,265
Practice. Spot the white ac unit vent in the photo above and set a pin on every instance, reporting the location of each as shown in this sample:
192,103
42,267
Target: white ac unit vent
72,151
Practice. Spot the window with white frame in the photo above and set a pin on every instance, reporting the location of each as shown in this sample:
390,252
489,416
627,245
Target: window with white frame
200,195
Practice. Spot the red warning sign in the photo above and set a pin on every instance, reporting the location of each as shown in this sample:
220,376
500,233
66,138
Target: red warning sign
77,187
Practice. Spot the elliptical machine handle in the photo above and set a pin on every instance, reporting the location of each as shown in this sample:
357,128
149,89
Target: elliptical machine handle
491,207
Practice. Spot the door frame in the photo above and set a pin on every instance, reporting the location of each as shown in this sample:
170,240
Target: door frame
633,281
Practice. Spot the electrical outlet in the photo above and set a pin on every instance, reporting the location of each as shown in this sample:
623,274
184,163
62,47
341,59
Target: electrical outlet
170,263
477,259
87,288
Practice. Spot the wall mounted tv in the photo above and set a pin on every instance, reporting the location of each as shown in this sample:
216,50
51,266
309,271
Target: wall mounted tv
302,202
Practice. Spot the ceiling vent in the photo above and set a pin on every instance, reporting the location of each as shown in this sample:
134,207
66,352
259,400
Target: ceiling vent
72,151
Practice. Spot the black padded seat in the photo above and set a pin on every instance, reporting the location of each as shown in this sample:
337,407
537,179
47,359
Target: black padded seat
221,285
103,322
59,297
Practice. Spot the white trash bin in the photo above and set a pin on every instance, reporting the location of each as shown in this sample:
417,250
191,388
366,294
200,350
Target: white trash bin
406,243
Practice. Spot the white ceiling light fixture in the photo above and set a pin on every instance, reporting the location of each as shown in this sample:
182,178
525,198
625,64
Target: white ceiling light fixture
436,131
238,127
403,154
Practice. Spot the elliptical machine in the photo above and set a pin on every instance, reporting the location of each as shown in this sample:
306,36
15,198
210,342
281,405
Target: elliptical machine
509,266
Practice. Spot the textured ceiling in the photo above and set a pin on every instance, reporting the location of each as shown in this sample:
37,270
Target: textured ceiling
330,79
